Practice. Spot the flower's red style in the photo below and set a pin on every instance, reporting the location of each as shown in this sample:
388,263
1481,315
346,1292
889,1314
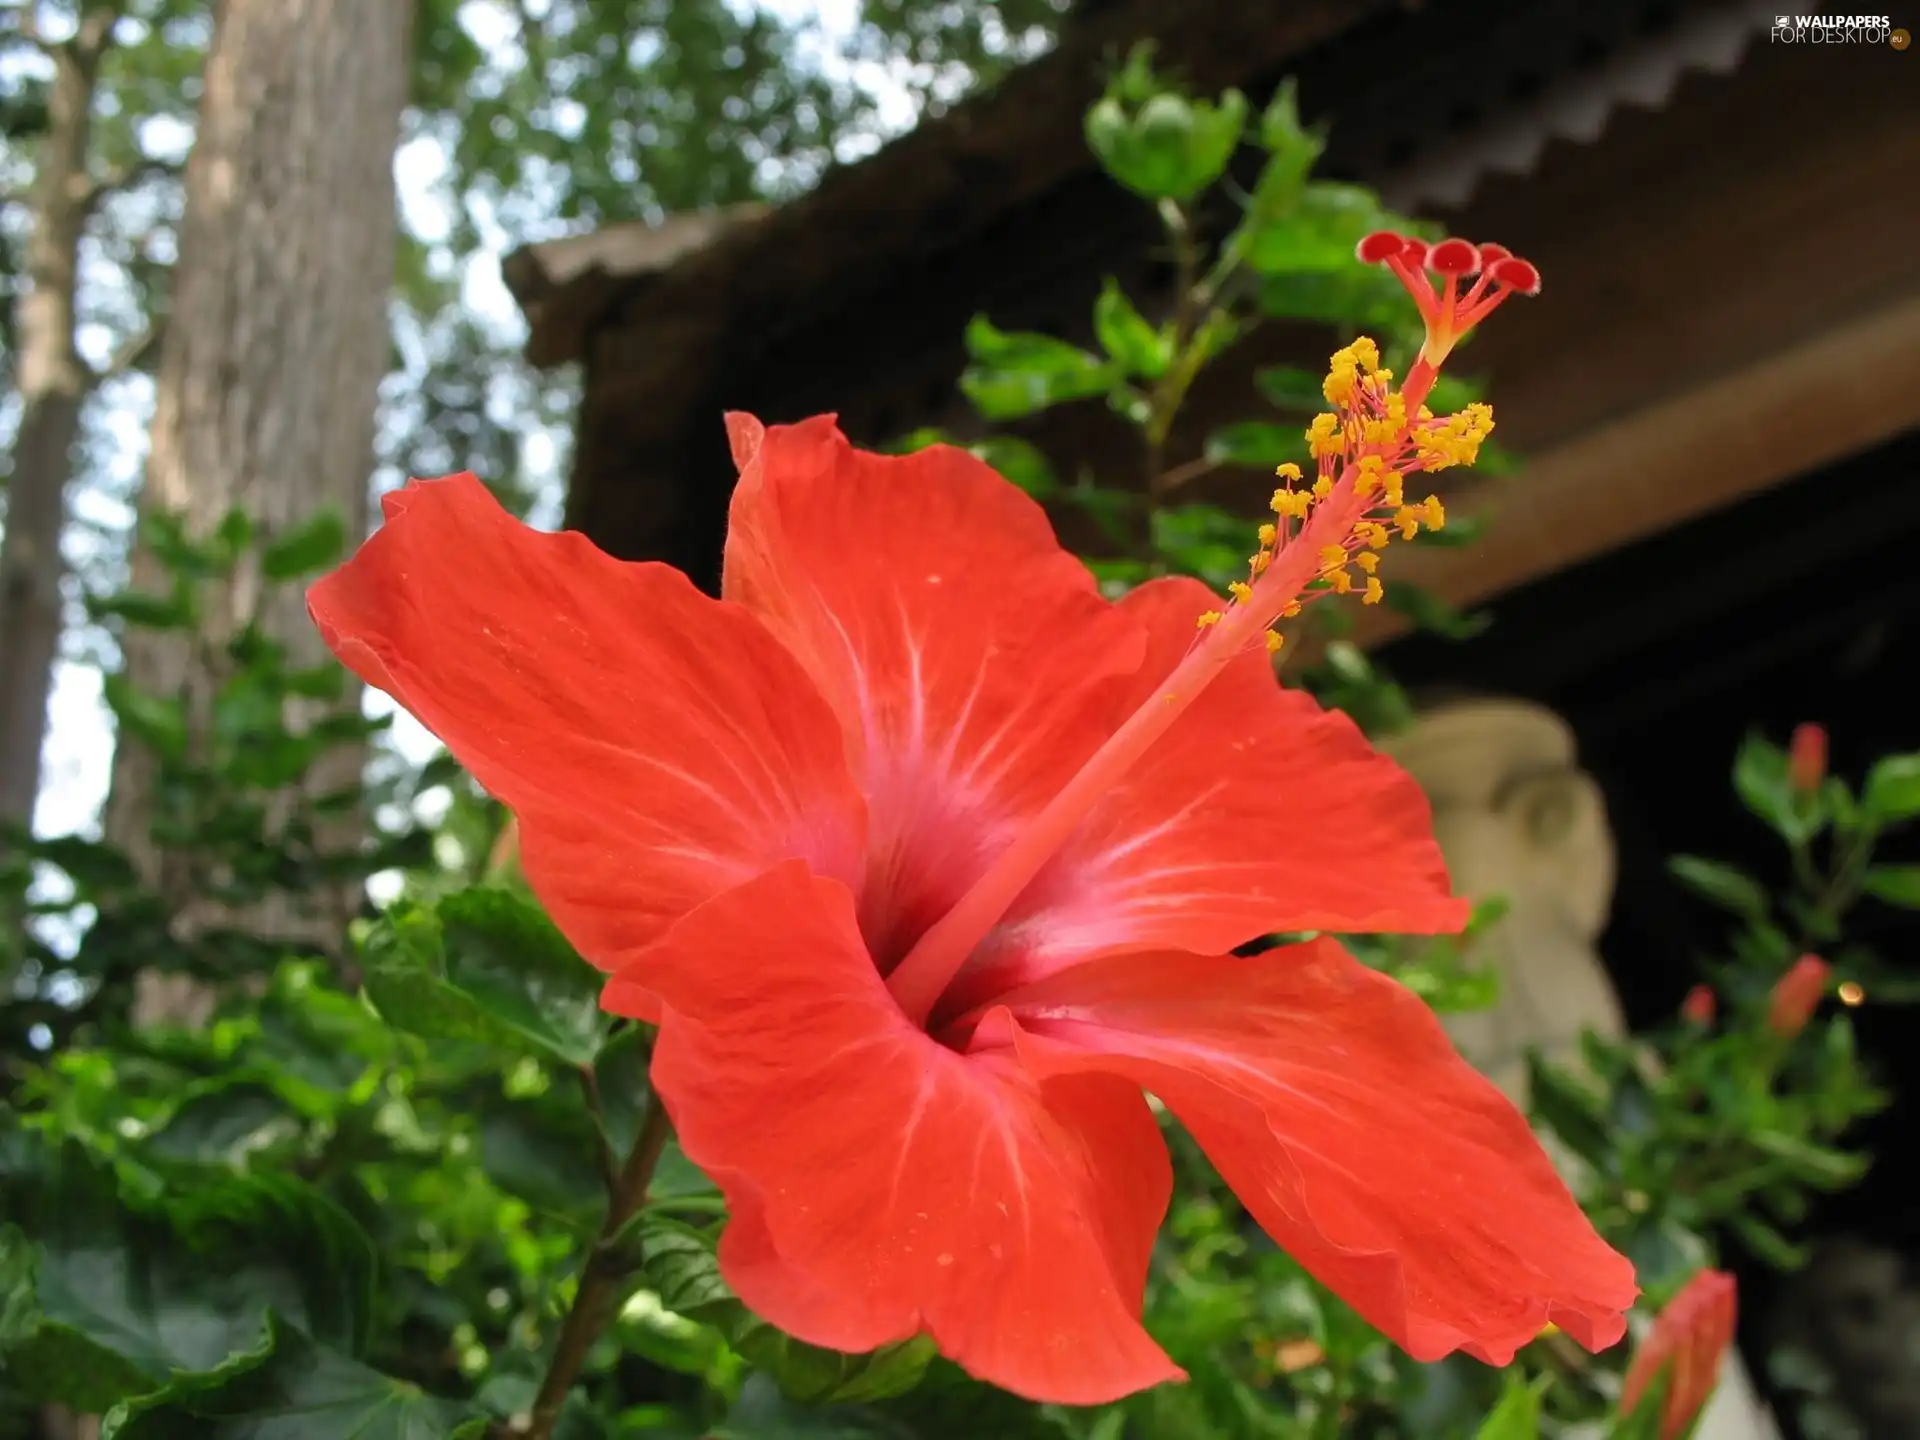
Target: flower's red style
1699,1006
1687,1340
1796,995
928,861
1807,758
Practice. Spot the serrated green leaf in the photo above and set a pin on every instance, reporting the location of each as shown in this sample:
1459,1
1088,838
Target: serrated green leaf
127,1290
315,543
489,968
679,1265
287,1387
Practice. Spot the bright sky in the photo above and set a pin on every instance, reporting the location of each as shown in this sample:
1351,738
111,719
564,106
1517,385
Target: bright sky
79,745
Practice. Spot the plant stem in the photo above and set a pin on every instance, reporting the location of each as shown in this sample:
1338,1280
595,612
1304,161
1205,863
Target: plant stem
607,1262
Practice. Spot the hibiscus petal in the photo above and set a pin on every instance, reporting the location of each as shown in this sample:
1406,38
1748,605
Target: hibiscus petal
657,746
970,658
1331,1101
883,1185
1257,812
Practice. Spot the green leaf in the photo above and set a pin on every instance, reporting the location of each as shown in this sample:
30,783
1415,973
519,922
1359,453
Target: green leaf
1766,1243
1895,884
679,1265
111,1293
1569,1109
1820,1166
157,722
1517,1416
1761,778
1021,462
287,1387
1170,148
1291,388
1019,374
545,1153
176,611
1728,887
1257,445
1892,793
1133,344
1429,612
223,1122
315,543
493,970
1319,233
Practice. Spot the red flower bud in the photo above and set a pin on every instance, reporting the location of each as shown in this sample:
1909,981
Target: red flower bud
1807,758
1699,1006
1796,995
1687,1341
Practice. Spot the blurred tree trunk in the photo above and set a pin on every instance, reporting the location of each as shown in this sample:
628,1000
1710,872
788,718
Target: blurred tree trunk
53,384
276,344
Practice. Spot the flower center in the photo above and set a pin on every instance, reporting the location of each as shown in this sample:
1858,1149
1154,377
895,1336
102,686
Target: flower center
1364,450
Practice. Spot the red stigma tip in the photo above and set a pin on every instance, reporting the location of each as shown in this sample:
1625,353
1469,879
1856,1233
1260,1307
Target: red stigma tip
1453,257
1491,252
1414,252
1516,274
1380,246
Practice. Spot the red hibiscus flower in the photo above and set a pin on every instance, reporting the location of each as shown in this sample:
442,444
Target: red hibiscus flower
928,862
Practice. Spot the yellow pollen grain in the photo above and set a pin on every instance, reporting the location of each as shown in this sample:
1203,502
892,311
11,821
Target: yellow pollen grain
1290,609
1325,438
1323,487
1408,518
1374,591
1367,561
1259,563
1331,555
1241,591
1287,470
1436,516
1268,534
1396,494
1210,617
1274,641
1341,580
1372,533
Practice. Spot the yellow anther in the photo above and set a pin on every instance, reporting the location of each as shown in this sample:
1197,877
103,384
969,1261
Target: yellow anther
1268,534
1342,380
1325,438
1323,487
1331,555
1367,561
1341,580
1408,518
1436,515
1241,591
1396,495
1372,534
1374,590
1259,562
1289,610
1287,470
1210,617
1366,355
1274,641
1291,503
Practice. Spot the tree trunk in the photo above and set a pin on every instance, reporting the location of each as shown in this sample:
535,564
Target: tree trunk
276,343
54,382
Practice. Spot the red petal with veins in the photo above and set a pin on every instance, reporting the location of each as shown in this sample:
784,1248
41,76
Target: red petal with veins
1331,1101
883,1185
970,658
1257,812
657,746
